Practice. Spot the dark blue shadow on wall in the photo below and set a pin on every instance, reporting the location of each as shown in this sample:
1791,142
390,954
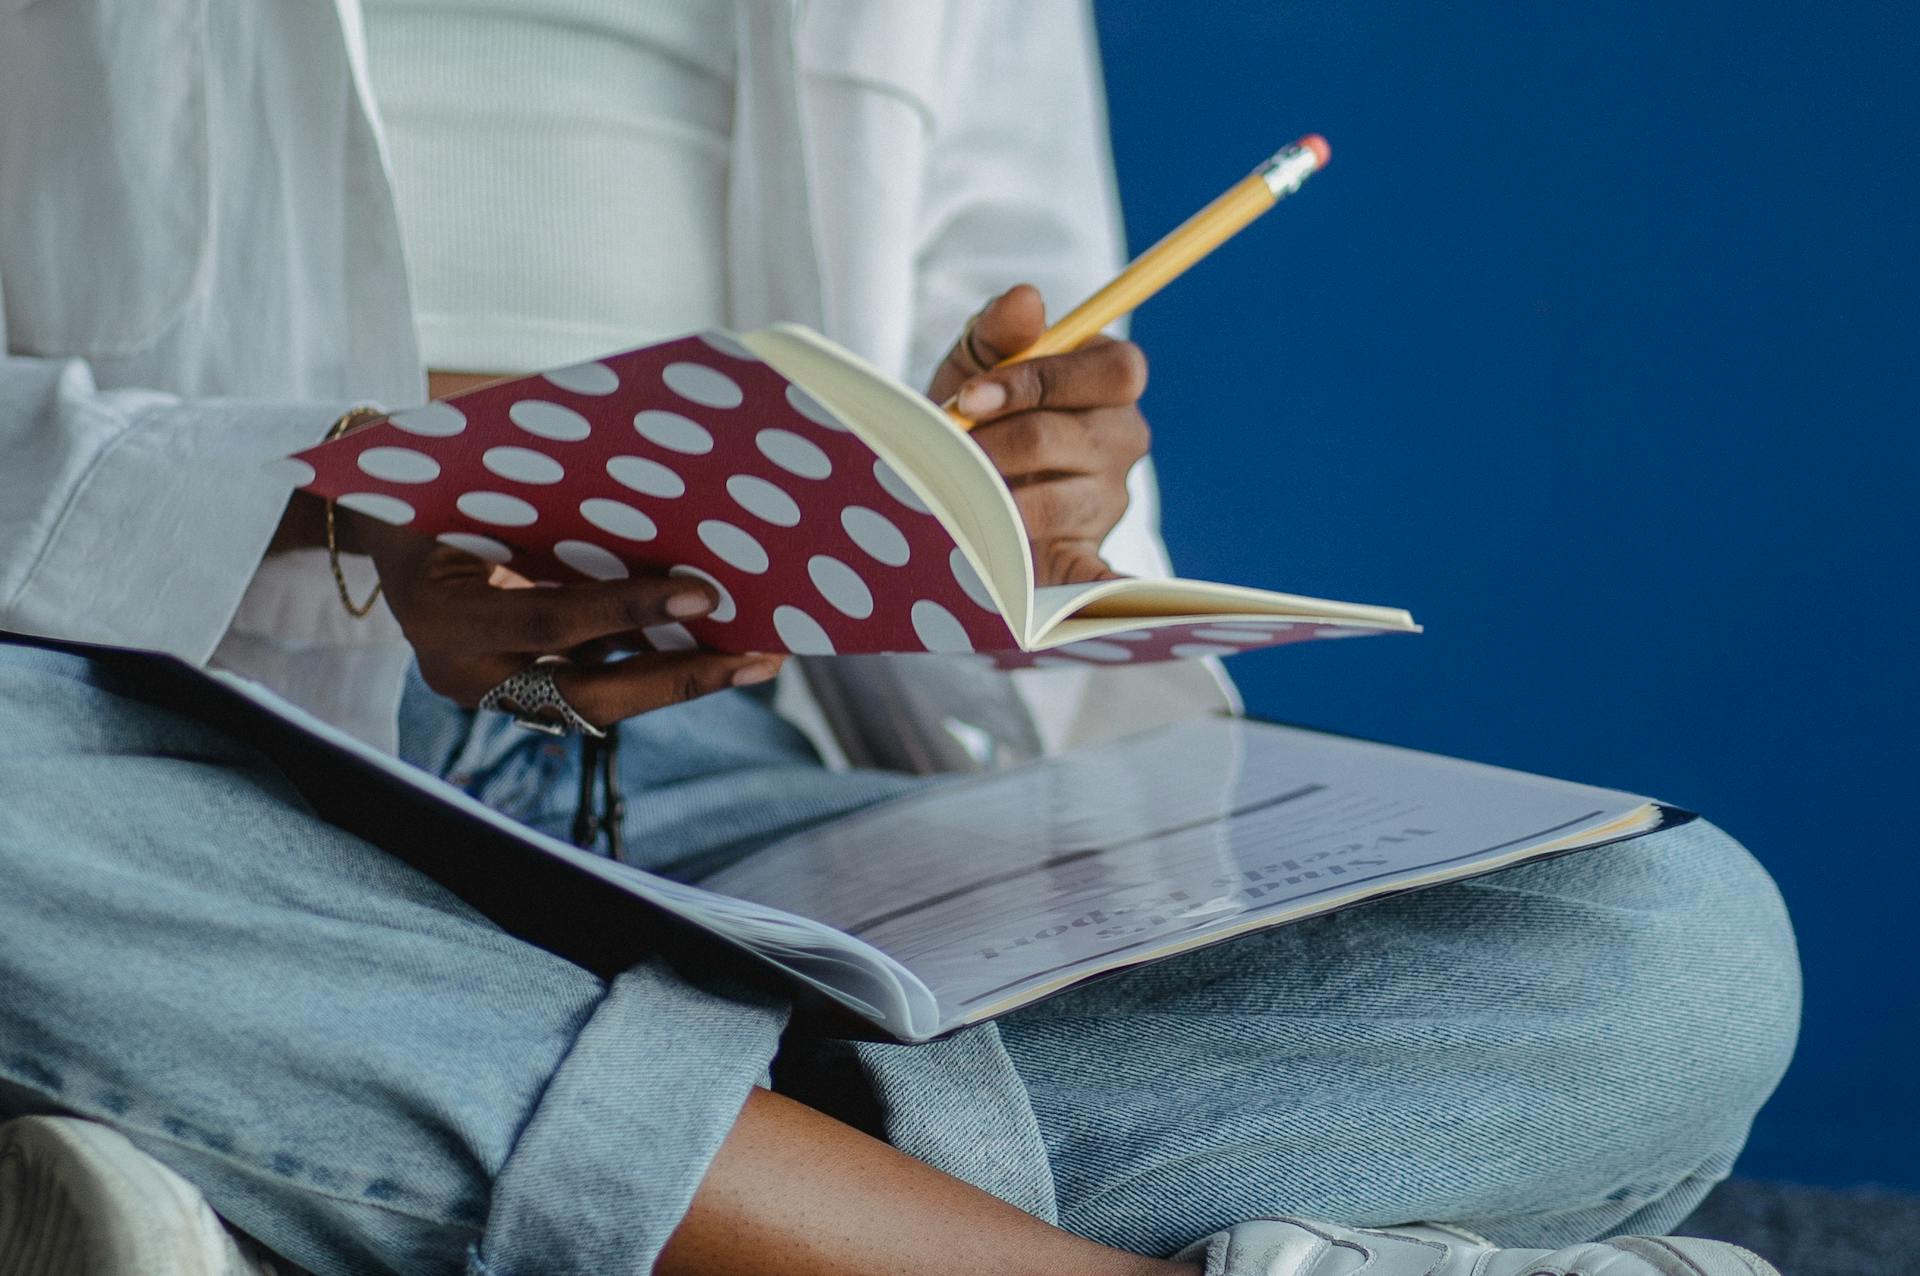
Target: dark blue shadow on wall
1595,347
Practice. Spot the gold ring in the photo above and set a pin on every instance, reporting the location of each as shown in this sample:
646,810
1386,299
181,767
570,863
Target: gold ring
971,351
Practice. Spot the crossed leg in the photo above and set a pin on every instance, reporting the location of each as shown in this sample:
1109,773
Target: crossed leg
369,1077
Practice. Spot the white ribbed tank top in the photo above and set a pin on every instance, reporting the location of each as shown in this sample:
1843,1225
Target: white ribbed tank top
560,168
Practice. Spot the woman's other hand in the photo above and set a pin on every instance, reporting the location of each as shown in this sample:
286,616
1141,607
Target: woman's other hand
473,625
1064,430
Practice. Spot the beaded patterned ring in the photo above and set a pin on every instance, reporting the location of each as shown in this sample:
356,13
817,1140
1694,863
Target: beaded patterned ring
535,702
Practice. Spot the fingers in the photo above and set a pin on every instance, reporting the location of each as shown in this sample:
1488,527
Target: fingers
1048,443
473,626
604,694
1103,374
478,616
1070,509
1063,430
1071,563
1009,324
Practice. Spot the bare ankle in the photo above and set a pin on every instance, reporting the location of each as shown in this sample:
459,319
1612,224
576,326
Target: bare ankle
1137,1265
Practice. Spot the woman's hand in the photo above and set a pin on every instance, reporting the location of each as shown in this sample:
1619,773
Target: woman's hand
473,626
1064,430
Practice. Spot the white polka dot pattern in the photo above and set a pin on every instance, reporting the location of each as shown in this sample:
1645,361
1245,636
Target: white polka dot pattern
794,454
585,378
695,458
1238,634
939,629
897,487
498,509
673,431
734,546
399,465
523,465
969,579
549,420
649,478
800,632
840,585
709,387
1189,640
434,421
619,518
1201,650
479,546
874,534
1094,649
763,500
591,560
388,509
812,409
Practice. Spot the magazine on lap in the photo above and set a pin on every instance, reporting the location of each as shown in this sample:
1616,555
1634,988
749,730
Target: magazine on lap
974,896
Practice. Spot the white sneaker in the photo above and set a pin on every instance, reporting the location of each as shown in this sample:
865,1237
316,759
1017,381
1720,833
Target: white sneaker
77,1199
1297,1247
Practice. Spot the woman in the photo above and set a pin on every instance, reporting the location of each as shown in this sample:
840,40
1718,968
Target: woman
203,268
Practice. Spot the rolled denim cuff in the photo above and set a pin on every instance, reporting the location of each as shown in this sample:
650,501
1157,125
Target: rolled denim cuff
623,1134
967,1083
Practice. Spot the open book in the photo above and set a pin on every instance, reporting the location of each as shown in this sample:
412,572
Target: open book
834,509
978,895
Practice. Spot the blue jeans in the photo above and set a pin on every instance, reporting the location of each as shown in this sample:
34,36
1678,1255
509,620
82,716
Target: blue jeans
371,1078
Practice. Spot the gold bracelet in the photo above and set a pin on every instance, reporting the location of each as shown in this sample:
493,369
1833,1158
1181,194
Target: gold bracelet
349,421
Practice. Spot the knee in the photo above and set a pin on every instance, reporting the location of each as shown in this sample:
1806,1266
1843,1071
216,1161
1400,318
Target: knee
1668,1003
1697,978
1720,971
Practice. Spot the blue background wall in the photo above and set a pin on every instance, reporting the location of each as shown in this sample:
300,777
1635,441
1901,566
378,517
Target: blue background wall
1596,348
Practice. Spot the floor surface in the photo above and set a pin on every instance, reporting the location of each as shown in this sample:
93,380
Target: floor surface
1811,1231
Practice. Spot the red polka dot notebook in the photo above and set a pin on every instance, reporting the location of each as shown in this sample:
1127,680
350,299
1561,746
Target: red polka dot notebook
835,510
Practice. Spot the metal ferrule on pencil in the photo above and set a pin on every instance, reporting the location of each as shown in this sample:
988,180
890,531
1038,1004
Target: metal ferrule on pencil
1288,169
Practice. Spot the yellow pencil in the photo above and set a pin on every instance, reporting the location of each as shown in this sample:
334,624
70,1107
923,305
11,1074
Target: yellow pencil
1186,244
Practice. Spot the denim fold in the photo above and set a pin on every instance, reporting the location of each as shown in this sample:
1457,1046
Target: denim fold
619,1142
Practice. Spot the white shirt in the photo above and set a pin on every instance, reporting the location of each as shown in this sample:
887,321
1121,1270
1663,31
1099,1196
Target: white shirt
200,268
560,168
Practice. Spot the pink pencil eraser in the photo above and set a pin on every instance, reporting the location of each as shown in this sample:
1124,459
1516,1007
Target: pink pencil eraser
1318,145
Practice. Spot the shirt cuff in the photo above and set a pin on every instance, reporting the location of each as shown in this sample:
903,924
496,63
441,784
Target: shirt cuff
163,532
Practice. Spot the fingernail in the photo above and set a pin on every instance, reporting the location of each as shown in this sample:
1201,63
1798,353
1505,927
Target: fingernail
981,397
751,675
693,602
